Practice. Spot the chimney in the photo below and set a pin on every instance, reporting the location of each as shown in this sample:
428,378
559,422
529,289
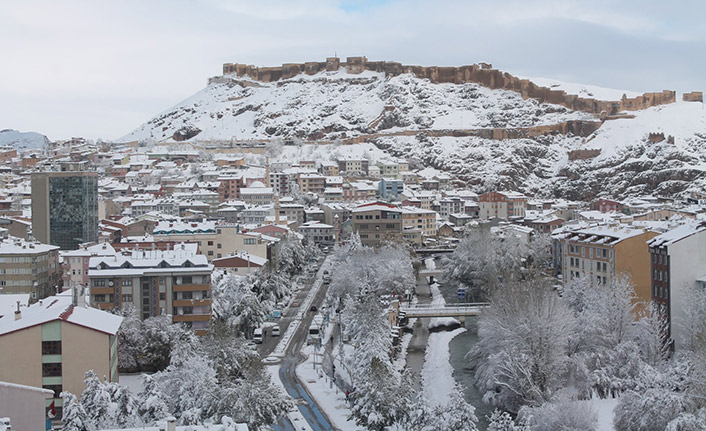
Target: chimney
18,313
171,423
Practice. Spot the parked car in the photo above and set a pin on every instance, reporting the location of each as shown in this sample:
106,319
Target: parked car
275,331
313,309
258,336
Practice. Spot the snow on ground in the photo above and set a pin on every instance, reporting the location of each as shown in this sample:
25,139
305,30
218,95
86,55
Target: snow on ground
582,90
327,395
683,120
437,374
323,152
132,381
604,408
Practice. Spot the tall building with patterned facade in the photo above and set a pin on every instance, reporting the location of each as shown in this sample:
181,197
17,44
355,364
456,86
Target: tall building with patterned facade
65,207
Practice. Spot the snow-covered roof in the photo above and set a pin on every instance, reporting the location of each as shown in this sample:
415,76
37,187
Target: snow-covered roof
15,245
677,234
102,249
59,307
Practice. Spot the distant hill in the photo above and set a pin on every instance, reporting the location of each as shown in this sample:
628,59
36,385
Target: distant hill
486,136
23,141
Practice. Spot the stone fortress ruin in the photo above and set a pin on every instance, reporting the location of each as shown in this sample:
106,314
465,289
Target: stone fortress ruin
481,74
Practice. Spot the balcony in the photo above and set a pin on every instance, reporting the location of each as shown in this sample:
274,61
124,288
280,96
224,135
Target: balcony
191,302
102,290
190,287
191,318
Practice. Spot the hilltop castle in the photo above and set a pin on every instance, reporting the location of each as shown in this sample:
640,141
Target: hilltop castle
481,74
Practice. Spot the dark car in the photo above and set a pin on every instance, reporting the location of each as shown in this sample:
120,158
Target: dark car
313,308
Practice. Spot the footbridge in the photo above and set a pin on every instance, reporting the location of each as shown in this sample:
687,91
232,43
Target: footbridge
448,310
431,275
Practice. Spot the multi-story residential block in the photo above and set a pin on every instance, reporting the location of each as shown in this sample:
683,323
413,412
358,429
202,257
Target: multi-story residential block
257,215
377,222
318,233
333,194
229,188
29,267
279,181
390,188
601,253
504,205
389,169
677,264
75,263
329,168
65,208
258,194
292,212
353,166
417,218
311,183
216,241
451,205
176,282
53,343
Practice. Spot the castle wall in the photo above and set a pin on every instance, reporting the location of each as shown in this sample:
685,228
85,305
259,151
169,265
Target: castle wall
694,96
482,74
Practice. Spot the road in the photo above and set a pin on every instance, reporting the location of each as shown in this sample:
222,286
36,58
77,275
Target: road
315,417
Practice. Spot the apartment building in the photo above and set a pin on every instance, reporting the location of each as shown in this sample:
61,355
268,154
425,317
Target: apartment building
390,188
353,166
216,241
677,264
176,282
29,267
279,181
451,205
504,205
601,253
51,344
329,168
257,194
389,169
75,263
377,222
318,233
311,183
418,218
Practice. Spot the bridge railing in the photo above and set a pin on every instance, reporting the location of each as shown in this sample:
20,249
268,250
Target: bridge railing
448,306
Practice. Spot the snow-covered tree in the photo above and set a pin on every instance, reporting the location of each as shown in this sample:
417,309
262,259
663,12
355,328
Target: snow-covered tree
456,415
74,415
522,355
559,415
482,261
153,406
503,421
236,305
96,401
651,410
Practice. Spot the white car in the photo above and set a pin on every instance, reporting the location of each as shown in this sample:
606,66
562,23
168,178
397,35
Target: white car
275,331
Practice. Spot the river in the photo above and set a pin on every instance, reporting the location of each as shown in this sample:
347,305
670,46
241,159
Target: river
458,348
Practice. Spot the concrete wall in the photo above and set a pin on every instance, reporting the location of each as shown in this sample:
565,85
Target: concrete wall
21,357
686,264
25,406
77,358
632,257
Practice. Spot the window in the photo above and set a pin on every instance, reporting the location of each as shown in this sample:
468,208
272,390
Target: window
187,279
250,241
210,252
127,282
99,298
51,370
162,296
210,243
51,347
126,298
390,226
187,295
219,245
98,282
364,226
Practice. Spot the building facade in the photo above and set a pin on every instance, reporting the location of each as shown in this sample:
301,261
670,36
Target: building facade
377,222
175,282
65,208
504,205
29,267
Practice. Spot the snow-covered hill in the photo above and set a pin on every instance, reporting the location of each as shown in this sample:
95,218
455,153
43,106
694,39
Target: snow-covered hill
23,140
410,117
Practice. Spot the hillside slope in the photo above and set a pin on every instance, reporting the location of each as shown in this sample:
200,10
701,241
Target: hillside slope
485,138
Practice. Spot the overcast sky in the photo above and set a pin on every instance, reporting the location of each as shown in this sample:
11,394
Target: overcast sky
99,69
